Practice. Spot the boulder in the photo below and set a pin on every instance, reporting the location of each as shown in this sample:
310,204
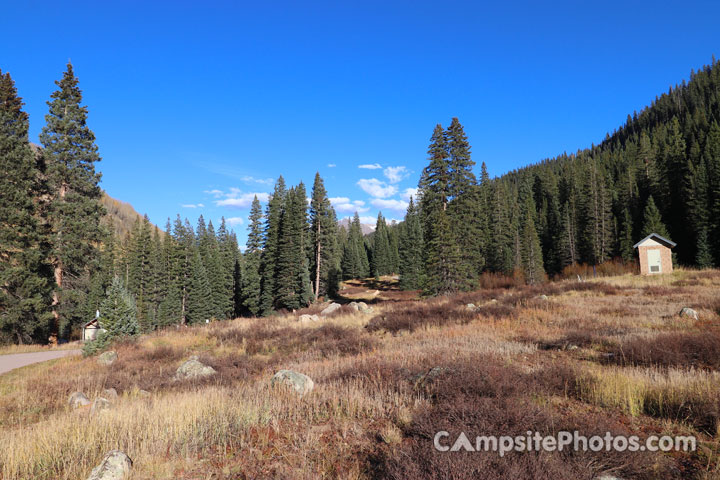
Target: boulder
108,358
115,466
542,297
354,306
78,399
110,394
301,383
305,318
689,312
99,405
471,307
193,368
330,309
364,307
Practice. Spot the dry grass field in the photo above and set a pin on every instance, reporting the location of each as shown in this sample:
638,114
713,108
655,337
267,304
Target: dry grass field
605,355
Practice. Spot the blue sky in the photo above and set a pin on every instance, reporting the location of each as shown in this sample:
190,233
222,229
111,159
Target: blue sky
198,105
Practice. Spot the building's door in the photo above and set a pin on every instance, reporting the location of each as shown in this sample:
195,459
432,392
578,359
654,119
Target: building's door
654,263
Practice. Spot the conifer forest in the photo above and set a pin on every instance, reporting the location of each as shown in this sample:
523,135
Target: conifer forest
61,260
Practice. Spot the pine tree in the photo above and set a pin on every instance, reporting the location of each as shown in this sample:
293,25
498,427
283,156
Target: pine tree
711,155
626,250
74,210
652,222
411,250
500,231
597,218
253,251
118,312
273,218
442,259
323,239
291,254
199,298
381,258
704,256
228,258
25,276
532,261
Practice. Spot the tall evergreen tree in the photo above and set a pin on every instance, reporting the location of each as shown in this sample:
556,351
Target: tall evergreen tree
253,252
323,239
652,222
273,219
199,299
411,248
25,277
74,210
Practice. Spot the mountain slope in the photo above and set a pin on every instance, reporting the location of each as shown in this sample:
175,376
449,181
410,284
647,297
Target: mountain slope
670,151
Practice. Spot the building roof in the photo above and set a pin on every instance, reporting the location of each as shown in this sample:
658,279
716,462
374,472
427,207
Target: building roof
658,238
94,320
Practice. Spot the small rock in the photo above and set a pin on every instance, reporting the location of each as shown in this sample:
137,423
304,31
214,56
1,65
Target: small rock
108,358
493,300
542,297
364,307
110,394
330,309
193,368
305,318
689,312
115,466
99,405
608,477
470,306
78,399
300,382
355,306
144,394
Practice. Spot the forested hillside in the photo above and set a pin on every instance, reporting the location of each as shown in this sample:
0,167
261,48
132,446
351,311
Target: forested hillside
659,172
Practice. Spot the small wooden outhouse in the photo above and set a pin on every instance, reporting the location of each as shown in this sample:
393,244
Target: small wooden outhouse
655,255
90,330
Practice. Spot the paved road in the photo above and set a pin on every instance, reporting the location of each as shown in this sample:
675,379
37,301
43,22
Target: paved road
17,360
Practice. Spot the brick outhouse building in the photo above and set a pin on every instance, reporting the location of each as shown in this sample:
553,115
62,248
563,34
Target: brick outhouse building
655,255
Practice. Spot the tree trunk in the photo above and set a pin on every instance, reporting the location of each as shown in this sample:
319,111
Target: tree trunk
58,272
317,262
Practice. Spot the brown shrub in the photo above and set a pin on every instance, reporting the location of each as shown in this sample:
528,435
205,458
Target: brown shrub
418,315
609,268
326,341
485,397
675,349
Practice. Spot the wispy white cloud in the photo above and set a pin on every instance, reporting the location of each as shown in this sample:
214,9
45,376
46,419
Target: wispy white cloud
215,193
261,181
344,205
370,166
395,174
192,205
331,165
241,200
399,206
234,221
409,192
376,188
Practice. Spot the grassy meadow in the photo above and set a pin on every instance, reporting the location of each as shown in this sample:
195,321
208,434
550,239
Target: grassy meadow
610,354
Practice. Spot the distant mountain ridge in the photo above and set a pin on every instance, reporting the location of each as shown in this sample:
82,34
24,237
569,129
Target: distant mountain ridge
365,227
120,216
